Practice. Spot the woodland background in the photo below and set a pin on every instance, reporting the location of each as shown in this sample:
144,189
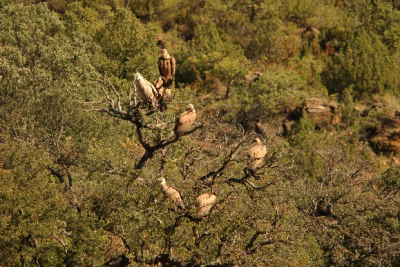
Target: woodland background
326,105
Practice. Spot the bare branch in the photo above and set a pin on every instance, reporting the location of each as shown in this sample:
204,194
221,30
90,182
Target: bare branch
123,239
150,150
115,91
98,110
257,187
250,249
135,116
61,242
109,99
225,162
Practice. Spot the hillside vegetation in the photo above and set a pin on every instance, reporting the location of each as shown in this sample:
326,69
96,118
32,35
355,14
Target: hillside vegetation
80,162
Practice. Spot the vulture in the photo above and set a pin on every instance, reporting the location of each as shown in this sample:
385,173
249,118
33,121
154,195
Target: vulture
185,121
172,193
205,203
147,92
256,155
163,92
166,67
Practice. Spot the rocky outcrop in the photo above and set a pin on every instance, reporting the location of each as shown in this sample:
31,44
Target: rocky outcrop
386,139
323,112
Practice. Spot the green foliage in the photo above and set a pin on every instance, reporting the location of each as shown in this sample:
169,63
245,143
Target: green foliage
213,54
33,207
127,46
345,175
364,65
389,180
70,190
269,95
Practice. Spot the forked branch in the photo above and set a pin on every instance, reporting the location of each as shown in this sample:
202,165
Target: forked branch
134,114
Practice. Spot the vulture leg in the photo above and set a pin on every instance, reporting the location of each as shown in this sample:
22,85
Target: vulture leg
163,105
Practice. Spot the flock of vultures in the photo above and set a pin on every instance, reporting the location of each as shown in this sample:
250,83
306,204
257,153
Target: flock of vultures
154,96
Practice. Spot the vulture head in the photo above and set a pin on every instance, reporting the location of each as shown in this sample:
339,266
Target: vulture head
138,76
162,180
190,108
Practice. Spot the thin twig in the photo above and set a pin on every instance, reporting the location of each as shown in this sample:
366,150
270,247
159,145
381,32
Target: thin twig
61,242
115,92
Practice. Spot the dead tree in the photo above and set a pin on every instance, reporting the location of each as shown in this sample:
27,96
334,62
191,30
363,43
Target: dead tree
132,111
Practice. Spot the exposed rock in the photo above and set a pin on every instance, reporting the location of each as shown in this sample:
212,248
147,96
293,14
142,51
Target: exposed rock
386,140
320,114
287,127
320,110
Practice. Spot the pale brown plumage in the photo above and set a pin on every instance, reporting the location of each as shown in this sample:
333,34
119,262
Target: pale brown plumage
256,155
205,202
166,67
146,90
172,193
163,92
185,121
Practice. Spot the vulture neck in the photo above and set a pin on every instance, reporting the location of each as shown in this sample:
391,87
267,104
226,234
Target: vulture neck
166,55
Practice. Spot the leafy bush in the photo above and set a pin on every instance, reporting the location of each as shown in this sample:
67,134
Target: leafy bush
365,65
269,94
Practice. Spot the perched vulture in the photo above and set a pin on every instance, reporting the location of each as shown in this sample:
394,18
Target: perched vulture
205,203
164,93
147,92
166,67
172,193
185,121
256,155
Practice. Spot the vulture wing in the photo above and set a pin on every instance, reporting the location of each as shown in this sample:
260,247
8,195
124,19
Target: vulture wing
205,203
151,88
174,194
148,92
184,122
256,156
164,67
173,67
167,68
